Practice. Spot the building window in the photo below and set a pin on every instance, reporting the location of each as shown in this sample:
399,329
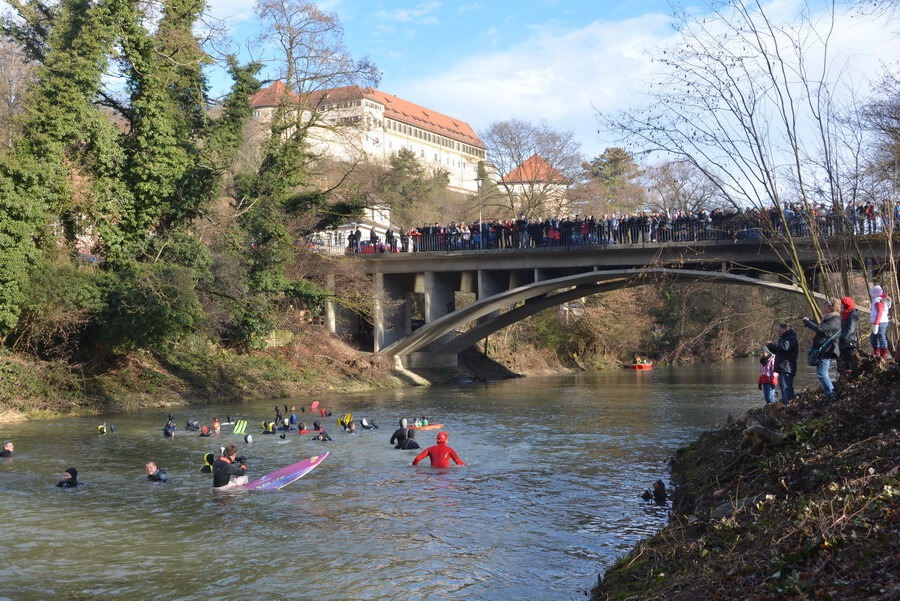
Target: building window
422,153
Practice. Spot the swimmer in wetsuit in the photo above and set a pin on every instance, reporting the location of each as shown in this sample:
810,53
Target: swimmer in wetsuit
411,440
155,473
440,454
400,433
8,449
228,470
70,479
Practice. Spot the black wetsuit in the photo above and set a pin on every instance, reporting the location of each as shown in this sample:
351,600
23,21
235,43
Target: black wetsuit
158,476
6,453
399,435
409,442
223,470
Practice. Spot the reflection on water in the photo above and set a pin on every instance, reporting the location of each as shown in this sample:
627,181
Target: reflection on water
549,499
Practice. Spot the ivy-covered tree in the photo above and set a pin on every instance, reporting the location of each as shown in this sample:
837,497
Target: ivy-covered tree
129,175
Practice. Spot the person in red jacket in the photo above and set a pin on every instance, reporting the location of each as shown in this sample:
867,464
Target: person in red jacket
440,454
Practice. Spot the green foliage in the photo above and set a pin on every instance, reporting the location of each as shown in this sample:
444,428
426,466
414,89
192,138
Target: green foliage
406,186
63,300
612,167
573,339
309,293
139,186
250,324
148,306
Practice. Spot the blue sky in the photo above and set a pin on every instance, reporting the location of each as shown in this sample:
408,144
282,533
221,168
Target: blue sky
483,61
550,61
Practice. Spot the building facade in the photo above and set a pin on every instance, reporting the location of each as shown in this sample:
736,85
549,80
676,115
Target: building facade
353,123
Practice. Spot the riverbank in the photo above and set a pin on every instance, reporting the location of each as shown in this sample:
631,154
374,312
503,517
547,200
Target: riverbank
193,372
795,502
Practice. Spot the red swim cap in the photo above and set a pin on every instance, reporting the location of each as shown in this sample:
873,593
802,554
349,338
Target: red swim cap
441,437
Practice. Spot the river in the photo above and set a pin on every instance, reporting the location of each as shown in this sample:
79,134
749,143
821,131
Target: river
549,498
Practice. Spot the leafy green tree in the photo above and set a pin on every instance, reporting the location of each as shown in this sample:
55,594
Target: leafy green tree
407,187
134,179
611,182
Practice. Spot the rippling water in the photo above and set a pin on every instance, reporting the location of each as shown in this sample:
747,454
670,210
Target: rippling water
548,500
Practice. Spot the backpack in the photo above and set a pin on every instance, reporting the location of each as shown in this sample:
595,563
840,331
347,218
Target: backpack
812,356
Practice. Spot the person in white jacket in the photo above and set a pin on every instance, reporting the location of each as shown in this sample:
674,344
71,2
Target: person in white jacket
881,307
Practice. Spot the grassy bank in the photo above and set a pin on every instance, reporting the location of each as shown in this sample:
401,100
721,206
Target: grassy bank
193,371
797,502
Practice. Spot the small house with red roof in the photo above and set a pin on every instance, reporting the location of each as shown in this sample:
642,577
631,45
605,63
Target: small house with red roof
536,184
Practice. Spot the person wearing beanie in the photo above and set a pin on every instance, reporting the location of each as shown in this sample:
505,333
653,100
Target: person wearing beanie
440,454
881,307
849,332
400,433
70,479
786,350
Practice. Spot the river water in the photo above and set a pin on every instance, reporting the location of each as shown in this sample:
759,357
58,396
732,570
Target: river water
549,498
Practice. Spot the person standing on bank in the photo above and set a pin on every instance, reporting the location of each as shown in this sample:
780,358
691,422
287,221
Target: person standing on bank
824,347
847,341
768,379
880,320
785,350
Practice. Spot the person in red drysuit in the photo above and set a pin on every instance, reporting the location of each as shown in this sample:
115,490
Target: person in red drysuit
440,454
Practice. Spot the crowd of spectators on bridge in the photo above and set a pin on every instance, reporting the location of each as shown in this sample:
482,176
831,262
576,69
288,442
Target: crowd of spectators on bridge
636,228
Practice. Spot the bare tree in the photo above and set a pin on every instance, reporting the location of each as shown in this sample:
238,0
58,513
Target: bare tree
305,46
882,117
534,166
752,105
16,75
676,186
308,47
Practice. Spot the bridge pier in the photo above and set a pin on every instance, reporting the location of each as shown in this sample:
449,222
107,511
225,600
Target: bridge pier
440,297
440,289
489,284
393,319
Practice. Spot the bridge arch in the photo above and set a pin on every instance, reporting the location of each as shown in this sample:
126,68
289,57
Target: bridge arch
544,294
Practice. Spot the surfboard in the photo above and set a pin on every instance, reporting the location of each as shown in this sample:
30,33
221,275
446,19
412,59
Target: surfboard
240,427
286,475
428,427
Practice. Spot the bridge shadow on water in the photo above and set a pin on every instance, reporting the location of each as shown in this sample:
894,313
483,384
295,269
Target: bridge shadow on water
483,368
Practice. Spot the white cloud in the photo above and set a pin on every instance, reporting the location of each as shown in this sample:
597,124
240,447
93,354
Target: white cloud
563,79
552,78
230,11
421,14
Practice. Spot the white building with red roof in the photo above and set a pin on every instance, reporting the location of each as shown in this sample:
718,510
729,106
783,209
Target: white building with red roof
535,187
368,123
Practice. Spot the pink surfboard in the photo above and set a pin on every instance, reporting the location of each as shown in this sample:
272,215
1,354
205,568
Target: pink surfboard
286,475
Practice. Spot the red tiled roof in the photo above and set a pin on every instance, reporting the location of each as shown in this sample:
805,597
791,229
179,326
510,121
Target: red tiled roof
395,108
270,96
534,169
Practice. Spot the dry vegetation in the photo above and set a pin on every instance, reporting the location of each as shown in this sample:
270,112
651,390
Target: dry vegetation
810,511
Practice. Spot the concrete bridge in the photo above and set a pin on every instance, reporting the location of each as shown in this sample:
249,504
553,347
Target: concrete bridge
512,284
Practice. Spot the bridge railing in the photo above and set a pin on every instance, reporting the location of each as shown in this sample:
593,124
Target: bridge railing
601,233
